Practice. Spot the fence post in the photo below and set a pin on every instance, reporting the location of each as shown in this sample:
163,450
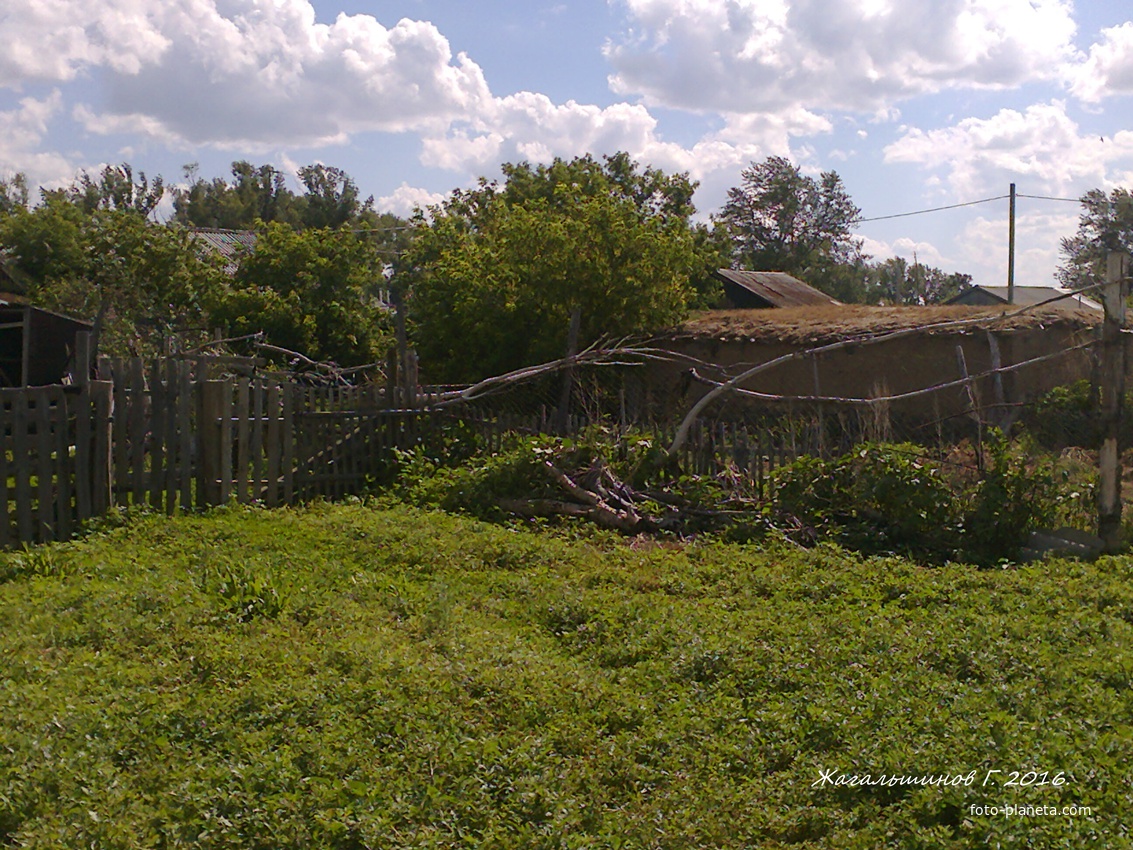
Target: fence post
211,437
1110,401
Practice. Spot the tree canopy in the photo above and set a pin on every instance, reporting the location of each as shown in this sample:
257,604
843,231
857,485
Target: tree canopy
1105,225
499,269
779,219
316,292
313,284
261,194
138,281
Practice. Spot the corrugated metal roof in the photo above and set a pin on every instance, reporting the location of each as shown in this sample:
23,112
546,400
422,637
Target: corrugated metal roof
1029,296
230,244
778,289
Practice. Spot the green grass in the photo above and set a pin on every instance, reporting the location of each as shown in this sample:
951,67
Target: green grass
352,676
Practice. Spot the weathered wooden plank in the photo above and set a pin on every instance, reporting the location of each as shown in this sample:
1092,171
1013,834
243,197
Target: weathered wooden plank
211,431
119,439
6,534
45,519
64,468
274,445
224,485
138,427
241,415
159,413
186,405
288,437
82,409
102,423
23,468
256,447
173,457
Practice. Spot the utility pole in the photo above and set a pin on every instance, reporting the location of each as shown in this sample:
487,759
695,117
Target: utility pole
1111,397
1011,248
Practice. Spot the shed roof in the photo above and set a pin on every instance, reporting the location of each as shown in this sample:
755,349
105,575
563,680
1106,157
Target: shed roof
1028,296
778,289
819,325
230,244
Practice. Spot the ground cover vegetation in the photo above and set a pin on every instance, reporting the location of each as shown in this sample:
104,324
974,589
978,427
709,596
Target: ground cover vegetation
375,675
877,499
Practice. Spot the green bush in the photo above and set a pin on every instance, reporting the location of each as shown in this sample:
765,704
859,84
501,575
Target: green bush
1016,494
877,498
883,498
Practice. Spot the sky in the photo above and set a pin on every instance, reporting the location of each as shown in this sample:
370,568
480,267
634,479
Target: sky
917,104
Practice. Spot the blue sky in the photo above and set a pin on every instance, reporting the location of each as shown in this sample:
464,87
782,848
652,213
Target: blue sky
916,104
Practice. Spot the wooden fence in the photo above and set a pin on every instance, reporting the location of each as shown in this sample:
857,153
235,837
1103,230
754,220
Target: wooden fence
51,478
167,436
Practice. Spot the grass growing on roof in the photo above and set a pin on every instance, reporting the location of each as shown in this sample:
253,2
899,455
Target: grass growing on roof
351,676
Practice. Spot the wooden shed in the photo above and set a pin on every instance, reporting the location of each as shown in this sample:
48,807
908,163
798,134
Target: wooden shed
37,347
764,290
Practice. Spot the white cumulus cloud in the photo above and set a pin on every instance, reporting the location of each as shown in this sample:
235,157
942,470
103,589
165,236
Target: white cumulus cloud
754,55
240,72
1109,68
1041,145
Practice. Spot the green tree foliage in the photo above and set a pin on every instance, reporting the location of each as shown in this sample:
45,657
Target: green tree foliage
261,194
779,219
314,292
137,280
254,194
14,193
498,270
1105,225
114,189
895,281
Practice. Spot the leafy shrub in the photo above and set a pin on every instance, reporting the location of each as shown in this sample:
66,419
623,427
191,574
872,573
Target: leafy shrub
1064,416
884,498
877,498
1017,493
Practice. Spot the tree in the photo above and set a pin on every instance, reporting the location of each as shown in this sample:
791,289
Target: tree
779,219
894,281
256,193
313,292
1105,225
497,271
140,282
260,194
114,189
14,193
331,199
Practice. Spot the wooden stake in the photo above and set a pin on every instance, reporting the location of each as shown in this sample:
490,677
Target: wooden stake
1110,401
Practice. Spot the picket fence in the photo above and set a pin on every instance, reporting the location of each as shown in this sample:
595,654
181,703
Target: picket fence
167,436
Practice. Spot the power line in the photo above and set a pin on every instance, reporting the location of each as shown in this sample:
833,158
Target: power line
934,209
1049,198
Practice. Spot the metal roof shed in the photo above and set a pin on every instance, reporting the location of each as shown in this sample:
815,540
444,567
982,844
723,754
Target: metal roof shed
762,290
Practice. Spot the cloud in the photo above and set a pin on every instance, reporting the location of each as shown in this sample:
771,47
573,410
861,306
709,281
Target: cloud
983,247
405,199
529,126
1041,144
746,56
242,72
21,132
54,40
1108,70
